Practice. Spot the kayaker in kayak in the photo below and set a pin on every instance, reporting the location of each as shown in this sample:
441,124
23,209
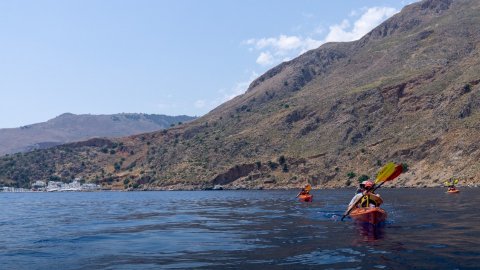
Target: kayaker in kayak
365,189
305,190
451,185
304,194
365,206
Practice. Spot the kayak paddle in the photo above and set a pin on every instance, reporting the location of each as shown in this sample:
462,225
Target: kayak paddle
398,170
385,172
451,183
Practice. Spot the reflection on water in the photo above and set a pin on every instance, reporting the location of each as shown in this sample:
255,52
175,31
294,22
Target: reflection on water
425,229
369,232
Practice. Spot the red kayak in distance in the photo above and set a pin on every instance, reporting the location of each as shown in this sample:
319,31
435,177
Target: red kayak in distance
372,215
305,198
453,191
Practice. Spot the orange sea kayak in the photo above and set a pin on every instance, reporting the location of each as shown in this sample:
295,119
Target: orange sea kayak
305,198
453,191
369,215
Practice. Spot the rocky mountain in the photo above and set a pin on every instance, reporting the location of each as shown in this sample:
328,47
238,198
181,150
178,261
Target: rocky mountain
408,91
70,128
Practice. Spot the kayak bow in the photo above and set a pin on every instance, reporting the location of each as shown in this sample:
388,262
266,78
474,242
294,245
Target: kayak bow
373,215
305,198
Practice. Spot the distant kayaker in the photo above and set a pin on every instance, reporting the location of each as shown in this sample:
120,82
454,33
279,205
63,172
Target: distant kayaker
451,184
304,195
305,190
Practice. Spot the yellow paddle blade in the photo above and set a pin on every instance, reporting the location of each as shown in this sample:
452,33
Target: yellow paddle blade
447,183
455,182
308,187
385,172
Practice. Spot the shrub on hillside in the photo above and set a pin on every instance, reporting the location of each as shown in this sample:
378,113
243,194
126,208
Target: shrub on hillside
363,178
285,167
404,167
272,165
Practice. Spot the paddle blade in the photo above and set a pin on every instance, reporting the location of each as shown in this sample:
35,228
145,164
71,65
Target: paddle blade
308,187
455,182
385,172
398,170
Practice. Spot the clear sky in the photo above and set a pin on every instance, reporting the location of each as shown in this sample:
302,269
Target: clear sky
161,56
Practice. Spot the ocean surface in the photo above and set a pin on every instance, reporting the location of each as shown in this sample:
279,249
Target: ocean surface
425,229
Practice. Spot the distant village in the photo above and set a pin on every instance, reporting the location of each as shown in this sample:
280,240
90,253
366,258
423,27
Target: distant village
52,186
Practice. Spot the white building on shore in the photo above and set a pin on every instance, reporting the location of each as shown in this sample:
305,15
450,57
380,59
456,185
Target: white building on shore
14,189
53,186
39,185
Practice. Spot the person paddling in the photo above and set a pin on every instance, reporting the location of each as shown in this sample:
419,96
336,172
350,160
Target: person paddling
451,185
365,205
305,190
366,189
304,195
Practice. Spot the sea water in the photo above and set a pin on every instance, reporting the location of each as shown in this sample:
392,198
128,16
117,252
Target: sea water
425,229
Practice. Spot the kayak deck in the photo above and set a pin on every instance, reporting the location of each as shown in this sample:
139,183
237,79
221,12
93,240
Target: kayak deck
306,198
373,215
453,191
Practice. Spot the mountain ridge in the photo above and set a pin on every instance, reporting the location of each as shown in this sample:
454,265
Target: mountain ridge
69,127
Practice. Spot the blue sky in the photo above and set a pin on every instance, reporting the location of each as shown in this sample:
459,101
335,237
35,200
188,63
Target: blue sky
164,57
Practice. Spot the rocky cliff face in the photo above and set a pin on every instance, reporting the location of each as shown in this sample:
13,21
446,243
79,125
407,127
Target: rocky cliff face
407,92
